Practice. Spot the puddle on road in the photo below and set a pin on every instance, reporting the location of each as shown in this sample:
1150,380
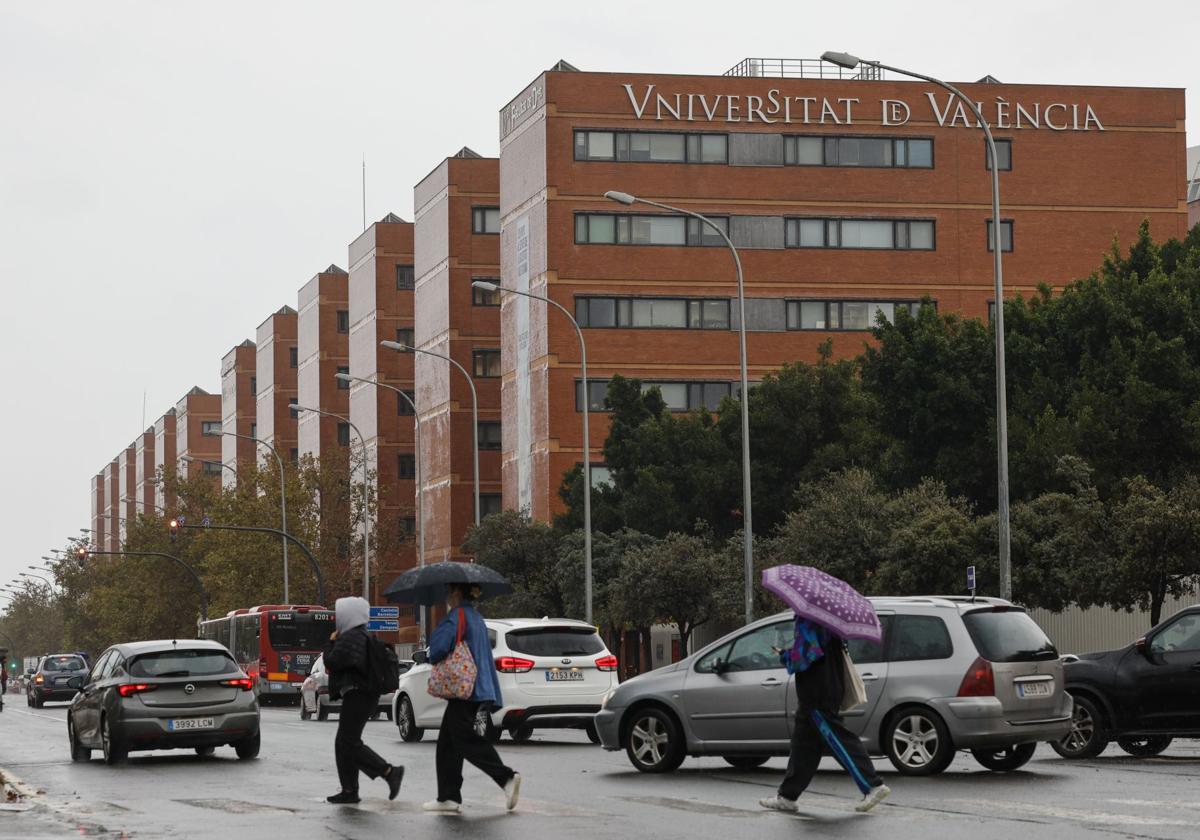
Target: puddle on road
235,806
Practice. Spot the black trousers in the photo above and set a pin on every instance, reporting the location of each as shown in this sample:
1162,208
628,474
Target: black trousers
348,748
458,740
814,730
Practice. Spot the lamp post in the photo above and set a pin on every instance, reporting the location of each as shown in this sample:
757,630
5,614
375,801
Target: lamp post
282,505
405,348
587,448
39,577
747,524
296,409
850,62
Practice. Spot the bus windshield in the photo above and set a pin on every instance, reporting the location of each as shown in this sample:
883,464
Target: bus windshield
299,631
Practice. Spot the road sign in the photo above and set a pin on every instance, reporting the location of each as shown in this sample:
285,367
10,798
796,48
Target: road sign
970,578
384,625
385,612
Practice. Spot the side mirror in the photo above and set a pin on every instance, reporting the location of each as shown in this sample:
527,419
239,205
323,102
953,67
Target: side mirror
720,667
1141,646
420,657
75,683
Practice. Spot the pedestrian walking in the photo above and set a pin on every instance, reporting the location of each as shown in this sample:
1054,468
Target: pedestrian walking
346,660
457,738
818,659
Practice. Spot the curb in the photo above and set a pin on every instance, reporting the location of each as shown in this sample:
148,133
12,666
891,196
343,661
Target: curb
12,786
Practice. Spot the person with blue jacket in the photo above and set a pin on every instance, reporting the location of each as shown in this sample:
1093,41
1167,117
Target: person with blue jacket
457,738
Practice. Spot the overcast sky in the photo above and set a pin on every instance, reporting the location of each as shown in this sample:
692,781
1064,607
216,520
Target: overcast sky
172,173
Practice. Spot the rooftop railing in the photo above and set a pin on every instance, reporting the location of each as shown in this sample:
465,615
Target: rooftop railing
801,68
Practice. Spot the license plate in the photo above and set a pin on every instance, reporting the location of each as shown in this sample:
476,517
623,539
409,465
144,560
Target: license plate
187,724
564,676
1035,689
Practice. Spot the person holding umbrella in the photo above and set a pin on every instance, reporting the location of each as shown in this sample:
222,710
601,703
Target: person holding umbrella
828,611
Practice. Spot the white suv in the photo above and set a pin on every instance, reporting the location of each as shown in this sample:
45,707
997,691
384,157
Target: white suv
553,674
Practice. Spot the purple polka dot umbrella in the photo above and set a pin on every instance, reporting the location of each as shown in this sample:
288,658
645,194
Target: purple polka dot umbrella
825,600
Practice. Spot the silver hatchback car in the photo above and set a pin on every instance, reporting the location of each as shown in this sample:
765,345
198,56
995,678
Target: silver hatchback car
173,694
951,673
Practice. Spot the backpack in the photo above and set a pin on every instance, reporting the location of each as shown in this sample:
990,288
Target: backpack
383,666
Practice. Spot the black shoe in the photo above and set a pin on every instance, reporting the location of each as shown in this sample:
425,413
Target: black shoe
344,798
394,780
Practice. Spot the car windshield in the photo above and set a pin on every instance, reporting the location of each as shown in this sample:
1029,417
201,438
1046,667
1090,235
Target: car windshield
63,663
299,631
183,663
1008,636
555,641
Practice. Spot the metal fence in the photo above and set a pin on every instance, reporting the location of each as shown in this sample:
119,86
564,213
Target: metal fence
1076,630
801,68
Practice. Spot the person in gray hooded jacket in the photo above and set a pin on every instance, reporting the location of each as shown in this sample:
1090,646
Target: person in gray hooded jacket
346,660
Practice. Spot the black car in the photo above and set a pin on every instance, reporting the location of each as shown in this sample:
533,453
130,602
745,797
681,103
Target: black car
52,679
1141,696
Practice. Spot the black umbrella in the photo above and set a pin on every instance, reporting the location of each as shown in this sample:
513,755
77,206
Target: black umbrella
426,585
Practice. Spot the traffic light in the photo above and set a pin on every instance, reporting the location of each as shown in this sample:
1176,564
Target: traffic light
81,552
173,528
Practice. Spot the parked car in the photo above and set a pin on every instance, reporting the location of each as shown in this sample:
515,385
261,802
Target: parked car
163,695
553,673
314,694
1142,696
52,679
950,674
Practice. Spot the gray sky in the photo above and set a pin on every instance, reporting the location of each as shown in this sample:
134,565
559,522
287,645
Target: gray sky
172,173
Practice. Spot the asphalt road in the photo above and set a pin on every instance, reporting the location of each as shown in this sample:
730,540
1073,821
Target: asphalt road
570,789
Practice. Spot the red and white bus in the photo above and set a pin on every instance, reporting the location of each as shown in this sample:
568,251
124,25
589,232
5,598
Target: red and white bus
276,644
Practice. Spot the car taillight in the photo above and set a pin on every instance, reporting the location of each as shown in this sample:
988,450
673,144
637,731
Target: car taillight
130,689
979,681
513,665
39,679
244,683
607,663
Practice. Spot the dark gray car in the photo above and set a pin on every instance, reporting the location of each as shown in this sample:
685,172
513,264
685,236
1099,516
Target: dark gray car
163,695
53,678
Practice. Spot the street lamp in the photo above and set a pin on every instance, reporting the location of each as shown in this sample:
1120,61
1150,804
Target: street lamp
406,348
587,441
282,505
39,577
850,62
748,527
296,409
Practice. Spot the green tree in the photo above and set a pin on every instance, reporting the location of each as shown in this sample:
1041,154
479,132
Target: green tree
525,552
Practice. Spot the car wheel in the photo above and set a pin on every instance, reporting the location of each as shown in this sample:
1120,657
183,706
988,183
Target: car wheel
247,748
1086,738
745,762
206,752
1005,758
654,742
406,722
78,751
520,734
1146,747
114,749
917,742
322,711
592,733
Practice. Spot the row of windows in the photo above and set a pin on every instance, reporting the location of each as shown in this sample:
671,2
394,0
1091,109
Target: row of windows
647,146
678,396
894,152
843,314
647,229
886,234
653,313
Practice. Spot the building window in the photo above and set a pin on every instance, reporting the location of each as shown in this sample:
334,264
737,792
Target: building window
408,526
486,363
489,435
406,336
485,297
641,229
651,147
653,313
293,357
886,152
343,434
211,467
698,233
404,407
407,465
254,430
294,455
490,503
293,401
342,384
601,476
1003,151
1006,234
406,280
874,234
485,220
679,396
210,428
843,314
253,386
343,320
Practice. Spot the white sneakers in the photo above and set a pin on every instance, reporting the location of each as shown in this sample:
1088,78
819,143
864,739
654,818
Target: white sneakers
877,795
512,791
437,806
779,803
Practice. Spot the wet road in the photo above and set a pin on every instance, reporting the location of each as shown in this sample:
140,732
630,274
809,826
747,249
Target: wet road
571,789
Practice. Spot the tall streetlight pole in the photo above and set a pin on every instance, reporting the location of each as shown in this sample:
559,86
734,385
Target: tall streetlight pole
405,348
282,505
747,524
850,62
39,577
587,441
296,409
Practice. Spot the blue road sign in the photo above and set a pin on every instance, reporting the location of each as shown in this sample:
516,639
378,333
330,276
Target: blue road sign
384,625
385,612
970,578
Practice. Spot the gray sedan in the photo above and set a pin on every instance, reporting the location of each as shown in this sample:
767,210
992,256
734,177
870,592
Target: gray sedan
163,695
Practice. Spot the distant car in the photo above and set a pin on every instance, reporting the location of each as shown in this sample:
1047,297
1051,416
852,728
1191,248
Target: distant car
52,678
314,694
553,673
1142,696
950,674
163,695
